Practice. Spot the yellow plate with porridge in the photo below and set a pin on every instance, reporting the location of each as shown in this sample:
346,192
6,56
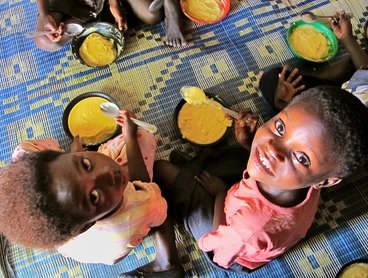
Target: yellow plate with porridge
202,124
313,42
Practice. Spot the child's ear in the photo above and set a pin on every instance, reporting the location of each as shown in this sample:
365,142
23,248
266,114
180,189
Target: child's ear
328,182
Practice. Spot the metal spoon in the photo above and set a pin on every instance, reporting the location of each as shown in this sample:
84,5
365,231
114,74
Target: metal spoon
70,29
202,98
156,5
110,109
311,17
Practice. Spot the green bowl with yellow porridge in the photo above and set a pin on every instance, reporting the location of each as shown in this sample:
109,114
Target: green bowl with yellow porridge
314,42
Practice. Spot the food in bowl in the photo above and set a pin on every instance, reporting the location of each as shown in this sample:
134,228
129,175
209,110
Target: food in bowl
99,45
202,124
86,120
310,43
97,50
356,268
205,11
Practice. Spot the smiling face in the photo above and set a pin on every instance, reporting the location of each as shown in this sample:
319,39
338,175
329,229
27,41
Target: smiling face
291,151
89,184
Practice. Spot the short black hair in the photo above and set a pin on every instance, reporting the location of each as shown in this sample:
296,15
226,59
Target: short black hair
346,122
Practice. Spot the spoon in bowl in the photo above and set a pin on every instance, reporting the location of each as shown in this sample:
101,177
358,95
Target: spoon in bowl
70,29
311,17
111,110
195,95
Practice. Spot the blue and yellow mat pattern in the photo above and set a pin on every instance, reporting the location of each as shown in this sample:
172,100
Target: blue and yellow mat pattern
224,59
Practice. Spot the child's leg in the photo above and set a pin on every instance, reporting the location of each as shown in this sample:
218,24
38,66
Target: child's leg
173,22
333,74
140,10
167,261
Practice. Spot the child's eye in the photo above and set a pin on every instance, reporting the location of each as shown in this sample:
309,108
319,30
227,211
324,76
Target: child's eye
280,127
302,158
86,163
95,197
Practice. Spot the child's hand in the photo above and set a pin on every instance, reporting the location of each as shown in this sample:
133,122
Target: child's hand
212,184
76,145
49,24
341,26
129,129
120,20
287,87
245,127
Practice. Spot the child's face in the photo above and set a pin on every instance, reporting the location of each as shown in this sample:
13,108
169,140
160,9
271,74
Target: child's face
89,183
291,151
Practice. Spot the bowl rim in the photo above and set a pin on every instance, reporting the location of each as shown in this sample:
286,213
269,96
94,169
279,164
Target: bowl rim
82,37
225,12
360,260
79,98
176,114
328,33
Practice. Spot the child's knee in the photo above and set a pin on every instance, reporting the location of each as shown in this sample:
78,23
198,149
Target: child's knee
152,18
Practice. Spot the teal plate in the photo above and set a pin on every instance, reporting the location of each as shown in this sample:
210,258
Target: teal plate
322,28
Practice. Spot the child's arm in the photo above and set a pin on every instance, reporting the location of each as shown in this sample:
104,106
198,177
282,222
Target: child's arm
245,127
343,31
136,167
115,9
218,190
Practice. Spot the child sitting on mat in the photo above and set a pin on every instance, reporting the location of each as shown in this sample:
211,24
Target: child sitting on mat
82,202
54,14
320,138
279,85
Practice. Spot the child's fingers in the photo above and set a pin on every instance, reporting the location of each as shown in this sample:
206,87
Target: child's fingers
300,88
283,72
296,81
292,75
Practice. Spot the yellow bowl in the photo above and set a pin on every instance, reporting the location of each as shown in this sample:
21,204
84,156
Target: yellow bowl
319,29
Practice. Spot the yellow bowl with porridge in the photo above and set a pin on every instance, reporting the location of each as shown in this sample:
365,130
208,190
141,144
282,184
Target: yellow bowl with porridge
313,42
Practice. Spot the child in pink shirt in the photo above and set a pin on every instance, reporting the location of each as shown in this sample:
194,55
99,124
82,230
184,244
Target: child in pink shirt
320,138
81,203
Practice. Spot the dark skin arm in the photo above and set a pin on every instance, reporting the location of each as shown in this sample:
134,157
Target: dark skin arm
343,31
218,190
136,167
245,127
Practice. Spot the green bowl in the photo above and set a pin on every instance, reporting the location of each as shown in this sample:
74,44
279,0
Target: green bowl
322,28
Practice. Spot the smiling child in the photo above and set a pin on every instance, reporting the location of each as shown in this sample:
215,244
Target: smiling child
320,138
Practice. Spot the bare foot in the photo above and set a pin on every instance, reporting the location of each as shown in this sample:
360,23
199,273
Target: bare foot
173,17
